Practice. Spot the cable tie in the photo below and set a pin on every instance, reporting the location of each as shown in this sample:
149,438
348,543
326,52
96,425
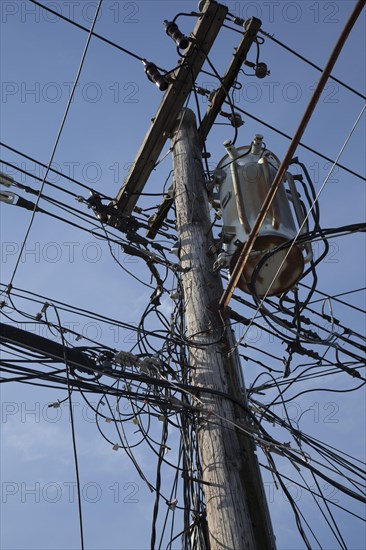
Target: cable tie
172,504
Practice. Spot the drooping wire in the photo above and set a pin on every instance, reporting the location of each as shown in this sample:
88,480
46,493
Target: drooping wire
69,392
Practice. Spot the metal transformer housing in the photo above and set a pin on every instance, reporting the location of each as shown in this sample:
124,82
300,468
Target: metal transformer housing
243,178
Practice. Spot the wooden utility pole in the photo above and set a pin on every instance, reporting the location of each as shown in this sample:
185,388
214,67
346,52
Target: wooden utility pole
237,513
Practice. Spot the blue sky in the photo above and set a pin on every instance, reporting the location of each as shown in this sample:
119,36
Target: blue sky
108,119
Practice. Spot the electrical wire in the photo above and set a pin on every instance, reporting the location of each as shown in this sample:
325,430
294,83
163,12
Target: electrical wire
57,140
51,169
155,385
102,38
69,391
299,56
303,145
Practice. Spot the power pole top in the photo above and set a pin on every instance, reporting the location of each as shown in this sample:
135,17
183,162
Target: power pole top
216,102
183,79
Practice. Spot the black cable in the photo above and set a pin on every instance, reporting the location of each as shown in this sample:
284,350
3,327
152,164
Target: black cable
86,313
205,155
80,214
26,188
164,436
185,14
69,391
336,299
24,377
70,209
300,143
228,98
106,40
335,530
85,217
119,263
315,494
295,508
69,178
271,37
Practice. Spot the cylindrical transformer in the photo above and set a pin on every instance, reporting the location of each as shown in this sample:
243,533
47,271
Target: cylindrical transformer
243,178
